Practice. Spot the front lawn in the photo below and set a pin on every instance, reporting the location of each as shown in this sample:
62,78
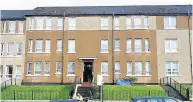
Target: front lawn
36,92
115,92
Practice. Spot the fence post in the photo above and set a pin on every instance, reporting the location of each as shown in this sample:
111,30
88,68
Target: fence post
180,87
163,81
50,95
167,80
149,93
32,94
5,84
14,94
168,93
11,81
15,81
175,84
160,81
187,94
170,82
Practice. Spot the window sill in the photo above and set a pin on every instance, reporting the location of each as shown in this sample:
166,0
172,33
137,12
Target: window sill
140,28
71,52
58,50
12,33
117,50
71,75
169,28
171,52
104,52
104,29
117,73
58,73
38,52
146,52
38,75
105,75
172,75
11,56
140,75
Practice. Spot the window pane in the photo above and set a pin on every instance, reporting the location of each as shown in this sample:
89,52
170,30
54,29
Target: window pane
71,45
147,68
1,70
71,67
129,45
29,68
166,22
104,68
104,45
138,68
18,71
117,44
39,45
59,45
58,67
47,45
116,23
147,45
72,23
11,26
10,48
21,26
128,22
40,23
2,48
138,46
104,23
60,23
30,46
19,50
173,22
48,23
31,23
137,22
168,68
129,68
47,68
117,67
146,25
38,67
3,27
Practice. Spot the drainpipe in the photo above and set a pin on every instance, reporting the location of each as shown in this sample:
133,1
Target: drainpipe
190,45
62,77
113,48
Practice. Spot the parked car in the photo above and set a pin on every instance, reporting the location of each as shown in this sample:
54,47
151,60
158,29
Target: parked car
155,99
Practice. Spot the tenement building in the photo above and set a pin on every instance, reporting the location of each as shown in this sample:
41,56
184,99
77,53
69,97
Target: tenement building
61,44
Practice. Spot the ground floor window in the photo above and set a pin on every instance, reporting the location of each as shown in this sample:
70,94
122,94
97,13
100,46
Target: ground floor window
138,68
117,67
1,70
104,68
29,68
18,71
147,68
171,68
71,68
59,67
38,67
47,68
129,68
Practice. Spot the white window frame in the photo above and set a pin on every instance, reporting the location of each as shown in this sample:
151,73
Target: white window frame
104,23
116,23
170,26
2,48
129,68
18,72
171,68
71,70
48,23
170,49
128,22
35,69
59,45
71,46
138,48
39,44
147,68
72,23
48,42
31,23
137,26
40,23
30,45
117,67
3,27
12,25
29,70
146,22
1,71
129,45
21,25
117,45
58,70
103,49
47,68
60,25
140,68
147,45
104,73
8,50
19,53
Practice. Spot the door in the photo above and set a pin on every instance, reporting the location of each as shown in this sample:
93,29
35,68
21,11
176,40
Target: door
88,67
9,71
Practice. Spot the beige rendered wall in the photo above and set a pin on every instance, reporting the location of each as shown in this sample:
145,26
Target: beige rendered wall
182,56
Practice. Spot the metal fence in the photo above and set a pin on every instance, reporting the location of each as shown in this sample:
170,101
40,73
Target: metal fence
34,94
10,82
185,92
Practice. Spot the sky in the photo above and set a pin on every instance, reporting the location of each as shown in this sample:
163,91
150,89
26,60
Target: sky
31,4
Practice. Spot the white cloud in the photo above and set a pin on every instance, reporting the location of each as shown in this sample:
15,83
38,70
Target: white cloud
30,4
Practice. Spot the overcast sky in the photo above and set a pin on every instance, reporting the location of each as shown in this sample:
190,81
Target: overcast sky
30,4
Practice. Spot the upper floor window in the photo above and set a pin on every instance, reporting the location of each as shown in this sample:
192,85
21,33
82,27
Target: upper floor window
71,46
59,67
137,22
2,48
38,67
39,45
30,45
169,22
138,45
47,68
117,45
128,22
31,23
104,68
40,23
104,45
10,48
71,68
11,26
138,68
20,29
116,23
3,27
129,45
146,22
48,23
129,68
72,23
29,68
47,46
117,67
19,49
172,68
171,45
104,23
59,45
60,23
147,45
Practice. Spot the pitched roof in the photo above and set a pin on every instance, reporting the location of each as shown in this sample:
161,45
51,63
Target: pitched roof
108,10
14,14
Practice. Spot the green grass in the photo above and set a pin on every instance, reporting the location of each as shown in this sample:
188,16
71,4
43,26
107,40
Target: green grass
113,92
190,88
36,92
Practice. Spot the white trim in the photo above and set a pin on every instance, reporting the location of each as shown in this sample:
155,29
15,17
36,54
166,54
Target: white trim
171,52
117,73
58,50
172,75
37,75
18,56
170,28
58,73
71,52
129,52
105,75
146,52
140,75
104,52
70,75
117,50
38,52
82,58
12,33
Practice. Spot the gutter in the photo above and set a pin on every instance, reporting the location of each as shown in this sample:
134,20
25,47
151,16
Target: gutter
62,76
113,48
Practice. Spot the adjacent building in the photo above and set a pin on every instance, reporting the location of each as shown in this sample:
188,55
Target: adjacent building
147,42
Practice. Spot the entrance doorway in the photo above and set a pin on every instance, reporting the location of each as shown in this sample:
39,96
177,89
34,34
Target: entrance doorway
9,71
88,72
